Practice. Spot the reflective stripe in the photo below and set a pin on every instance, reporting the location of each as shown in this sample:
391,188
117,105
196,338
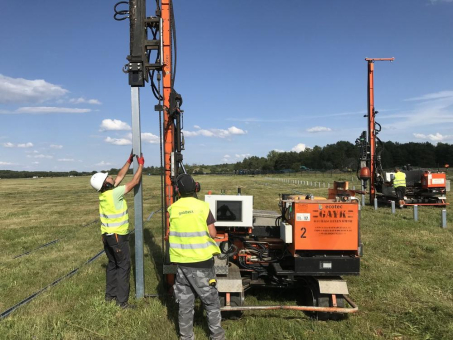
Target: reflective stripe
118,224
191,246
188,234
114,215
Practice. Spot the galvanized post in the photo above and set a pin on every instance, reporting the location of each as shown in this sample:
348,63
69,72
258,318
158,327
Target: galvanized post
415,213
363,200
375,204
138,196
393,207
444,218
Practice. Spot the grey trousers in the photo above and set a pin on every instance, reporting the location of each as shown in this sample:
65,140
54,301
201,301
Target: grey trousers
192,282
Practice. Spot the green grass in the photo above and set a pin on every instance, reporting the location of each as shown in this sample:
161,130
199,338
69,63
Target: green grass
405,290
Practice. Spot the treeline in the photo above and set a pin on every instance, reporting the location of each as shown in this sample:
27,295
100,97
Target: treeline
341,156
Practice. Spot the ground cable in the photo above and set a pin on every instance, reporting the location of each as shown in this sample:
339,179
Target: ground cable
51,242
31,297
7,312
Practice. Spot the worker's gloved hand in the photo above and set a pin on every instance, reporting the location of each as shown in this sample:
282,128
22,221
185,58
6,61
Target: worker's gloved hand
131,158
141,160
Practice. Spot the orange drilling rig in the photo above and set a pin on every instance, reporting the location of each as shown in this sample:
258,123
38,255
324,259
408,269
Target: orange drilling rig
308,244
423,187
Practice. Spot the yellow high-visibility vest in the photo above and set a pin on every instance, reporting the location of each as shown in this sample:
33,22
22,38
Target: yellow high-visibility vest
189,235
400,180
113,220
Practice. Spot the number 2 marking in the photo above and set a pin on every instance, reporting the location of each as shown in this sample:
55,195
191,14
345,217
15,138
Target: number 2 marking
303,230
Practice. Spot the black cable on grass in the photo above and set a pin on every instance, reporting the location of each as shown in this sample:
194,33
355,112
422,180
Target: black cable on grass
31,297
51,242
7,312
58,239
151,215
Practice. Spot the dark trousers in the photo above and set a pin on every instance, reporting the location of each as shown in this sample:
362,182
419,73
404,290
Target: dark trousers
118,268
400,192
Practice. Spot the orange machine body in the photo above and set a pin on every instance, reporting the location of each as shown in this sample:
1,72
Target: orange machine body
436,180
324,225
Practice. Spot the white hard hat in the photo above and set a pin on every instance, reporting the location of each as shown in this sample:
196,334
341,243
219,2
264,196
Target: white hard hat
97,180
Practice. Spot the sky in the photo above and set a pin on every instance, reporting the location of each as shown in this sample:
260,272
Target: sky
255,76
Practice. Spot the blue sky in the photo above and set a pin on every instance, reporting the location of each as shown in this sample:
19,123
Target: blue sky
255,76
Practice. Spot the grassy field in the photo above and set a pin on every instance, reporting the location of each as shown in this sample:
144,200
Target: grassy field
405,290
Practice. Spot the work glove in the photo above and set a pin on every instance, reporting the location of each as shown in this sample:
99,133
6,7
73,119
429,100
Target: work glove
141,160
131,158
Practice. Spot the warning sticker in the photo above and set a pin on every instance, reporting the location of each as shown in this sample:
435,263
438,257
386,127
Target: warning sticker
334,222
437,181
303,217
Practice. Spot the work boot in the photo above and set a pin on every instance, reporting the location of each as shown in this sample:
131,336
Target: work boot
125,305
110,298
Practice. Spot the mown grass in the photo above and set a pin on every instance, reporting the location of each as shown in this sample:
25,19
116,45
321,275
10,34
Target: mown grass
405,290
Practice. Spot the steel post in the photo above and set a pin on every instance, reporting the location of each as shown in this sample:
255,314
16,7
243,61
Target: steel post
444,218
393,207
415,212
375,204
138,196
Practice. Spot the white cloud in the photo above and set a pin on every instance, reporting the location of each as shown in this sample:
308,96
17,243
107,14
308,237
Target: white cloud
25,145
236,131
102,163
196,127
114,125
118,141
434,109
66,160
226,156
219,133
82,100
200,132
19,90
150,138
299,147
6,163
54,146
436,95
22,145
147,137
278,150
435,138
242,156
42,156
319,129
49,109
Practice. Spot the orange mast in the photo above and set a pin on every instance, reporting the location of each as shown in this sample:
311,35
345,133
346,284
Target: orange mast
372,123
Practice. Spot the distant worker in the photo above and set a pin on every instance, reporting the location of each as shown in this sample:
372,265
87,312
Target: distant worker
114,228
399,183
192,248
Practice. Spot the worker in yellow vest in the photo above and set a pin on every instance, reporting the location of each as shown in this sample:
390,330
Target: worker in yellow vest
114,229
192,246
399,183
